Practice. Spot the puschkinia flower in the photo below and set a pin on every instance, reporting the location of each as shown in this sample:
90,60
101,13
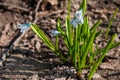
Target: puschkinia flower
79,16
24,27
78,19
74,22
55,33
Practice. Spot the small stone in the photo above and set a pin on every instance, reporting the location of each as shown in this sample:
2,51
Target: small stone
96,76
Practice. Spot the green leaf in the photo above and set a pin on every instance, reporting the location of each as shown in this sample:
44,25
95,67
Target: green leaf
59,28
69,8
110,23
83,6
42,36
87,48
98,33
95,25
68,32
46,40
112,46
95,65
57,43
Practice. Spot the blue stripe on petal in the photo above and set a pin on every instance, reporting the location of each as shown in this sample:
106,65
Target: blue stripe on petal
73,22
24,27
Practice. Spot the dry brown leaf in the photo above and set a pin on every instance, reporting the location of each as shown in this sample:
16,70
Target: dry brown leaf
38,46
52,2
110,65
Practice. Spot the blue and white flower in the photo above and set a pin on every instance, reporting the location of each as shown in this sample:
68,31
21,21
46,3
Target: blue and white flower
78,19
24,27
55,33
79,16
74,22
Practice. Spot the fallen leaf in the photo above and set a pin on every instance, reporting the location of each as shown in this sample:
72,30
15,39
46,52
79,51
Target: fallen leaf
113,65
52,2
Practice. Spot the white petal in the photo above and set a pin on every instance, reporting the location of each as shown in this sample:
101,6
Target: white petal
55,32
78,14
20,26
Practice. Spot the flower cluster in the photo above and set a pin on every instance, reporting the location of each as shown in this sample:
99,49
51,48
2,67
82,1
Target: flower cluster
78,19
74,22
24,27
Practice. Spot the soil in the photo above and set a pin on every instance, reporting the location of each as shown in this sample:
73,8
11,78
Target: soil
30,59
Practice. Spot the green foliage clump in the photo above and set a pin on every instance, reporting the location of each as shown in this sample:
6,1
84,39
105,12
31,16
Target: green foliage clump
79,39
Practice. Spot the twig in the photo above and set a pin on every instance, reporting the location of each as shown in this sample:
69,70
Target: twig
13,6
9,46
36,11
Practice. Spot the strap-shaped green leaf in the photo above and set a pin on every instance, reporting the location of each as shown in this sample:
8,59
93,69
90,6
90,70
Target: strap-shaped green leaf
95,25
83,6
112,46
95,65
42,36
59,28
110,23
87,48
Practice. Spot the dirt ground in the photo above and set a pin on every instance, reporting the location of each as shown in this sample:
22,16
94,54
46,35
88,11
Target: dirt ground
30,59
